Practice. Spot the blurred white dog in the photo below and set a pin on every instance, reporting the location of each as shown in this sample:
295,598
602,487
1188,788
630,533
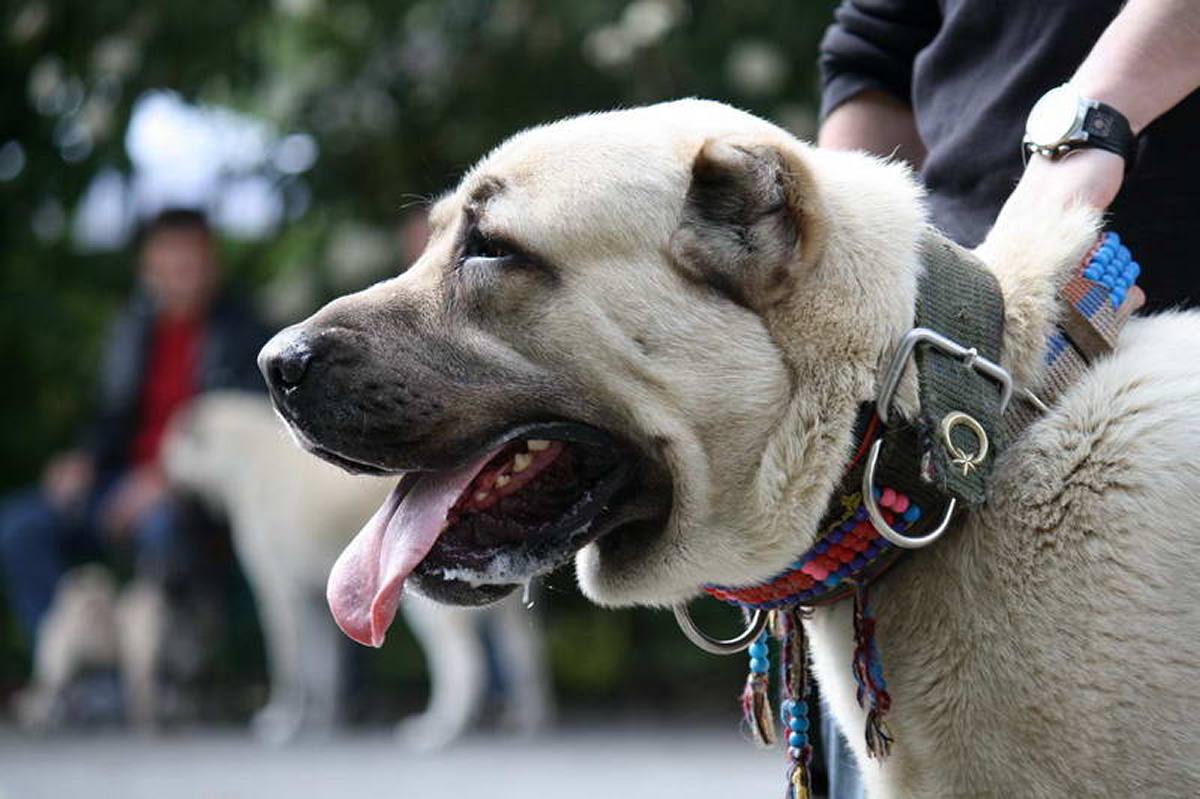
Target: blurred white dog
78,632
291,515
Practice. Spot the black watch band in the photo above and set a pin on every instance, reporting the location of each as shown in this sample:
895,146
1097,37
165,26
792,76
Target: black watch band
1108,129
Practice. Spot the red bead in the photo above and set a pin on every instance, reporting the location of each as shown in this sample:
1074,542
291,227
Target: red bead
901,503
888,498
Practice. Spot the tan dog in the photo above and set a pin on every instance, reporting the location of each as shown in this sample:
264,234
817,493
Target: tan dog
290,517
78,632
643,336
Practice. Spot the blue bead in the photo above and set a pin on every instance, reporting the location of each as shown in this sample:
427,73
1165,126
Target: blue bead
1113,238
798,724
1092,272
871,551
912,514
836,536
1123,253
797,740
786,707
1133,270
876,492
832,581
859,562
800,708
821,548
758,650
759,665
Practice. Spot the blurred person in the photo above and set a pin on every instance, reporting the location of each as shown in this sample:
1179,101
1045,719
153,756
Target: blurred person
949,87
178,336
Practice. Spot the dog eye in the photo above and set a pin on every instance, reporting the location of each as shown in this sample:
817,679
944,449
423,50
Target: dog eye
483,251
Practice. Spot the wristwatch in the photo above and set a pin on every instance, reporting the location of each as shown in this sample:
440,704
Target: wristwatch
1062,122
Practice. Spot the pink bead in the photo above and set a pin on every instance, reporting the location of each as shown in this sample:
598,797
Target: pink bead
901,503
887,498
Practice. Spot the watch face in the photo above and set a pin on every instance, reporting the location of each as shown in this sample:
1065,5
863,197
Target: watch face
1053,117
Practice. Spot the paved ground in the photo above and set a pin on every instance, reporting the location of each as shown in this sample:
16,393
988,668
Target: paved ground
630,762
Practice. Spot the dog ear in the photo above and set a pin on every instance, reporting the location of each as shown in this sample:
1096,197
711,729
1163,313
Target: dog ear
750,221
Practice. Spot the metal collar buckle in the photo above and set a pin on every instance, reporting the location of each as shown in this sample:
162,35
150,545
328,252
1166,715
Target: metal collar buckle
972,360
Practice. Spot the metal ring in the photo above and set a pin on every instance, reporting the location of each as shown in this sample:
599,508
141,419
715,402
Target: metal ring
876,515
719,646
959,457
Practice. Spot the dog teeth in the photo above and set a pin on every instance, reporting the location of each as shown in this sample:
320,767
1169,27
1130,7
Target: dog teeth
537,444
521,461
480,496
503,480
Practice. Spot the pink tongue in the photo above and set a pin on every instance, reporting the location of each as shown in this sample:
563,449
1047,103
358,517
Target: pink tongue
366,582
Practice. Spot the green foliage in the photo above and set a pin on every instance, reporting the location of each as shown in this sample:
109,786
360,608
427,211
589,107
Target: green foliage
401,96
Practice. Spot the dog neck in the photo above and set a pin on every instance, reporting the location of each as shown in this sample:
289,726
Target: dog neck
839,327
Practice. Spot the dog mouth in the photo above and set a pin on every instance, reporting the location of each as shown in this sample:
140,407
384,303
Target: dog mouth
517,509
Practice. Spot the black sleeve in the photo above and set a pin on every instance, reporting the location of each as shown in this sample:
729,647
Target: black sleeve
872,45
111,430
234,336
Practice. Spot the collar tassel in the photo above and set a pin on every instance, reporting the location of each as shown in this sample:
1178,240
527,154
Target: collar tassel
872,694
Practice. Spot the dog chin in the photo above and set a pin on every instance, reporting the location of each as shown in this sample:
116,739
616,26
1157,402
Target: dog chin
644,564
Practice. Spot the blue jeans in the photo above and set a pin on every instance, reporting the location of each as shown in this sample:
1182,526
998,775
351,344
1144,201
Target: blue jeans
845,781
38,542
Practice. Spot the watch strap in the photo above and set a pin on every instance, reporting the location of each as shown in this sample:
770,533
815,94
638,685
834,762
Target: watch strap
1108,129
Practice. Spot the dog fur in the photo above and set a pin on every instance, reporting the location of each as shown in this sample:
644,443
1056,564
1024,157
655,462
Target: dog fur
78,633
290,516
724,297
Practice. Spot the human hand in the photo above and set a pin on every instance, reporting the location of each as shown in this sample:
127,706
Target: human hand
67,478
137,492
1089,176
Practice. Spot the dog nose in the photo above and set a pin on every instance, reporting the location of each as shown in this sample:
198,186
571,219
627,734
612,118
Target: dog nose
284,359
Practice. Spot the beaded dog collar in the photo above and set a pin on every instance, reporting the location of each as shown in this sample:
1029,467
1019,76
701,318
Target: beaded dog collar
867,519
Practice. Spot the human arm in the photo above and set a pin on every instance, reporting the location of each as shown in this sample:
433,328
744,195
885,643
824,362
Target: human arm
866,59
876,122
1143,64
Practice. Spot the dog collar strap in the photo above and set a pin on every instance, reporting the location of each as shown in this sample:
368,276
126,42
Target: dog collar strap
849,550
1095,302
960,299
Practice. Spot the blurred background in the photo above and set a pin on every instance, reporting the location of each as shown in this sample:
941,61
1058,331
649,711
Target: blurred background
312,133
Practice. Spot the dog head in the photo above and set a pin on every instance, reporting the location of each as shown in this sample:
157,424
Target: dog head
638,336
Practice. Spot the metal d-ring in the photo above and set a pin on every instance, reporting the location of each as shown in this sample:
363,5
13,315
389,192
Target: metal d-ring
720,646
876,515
